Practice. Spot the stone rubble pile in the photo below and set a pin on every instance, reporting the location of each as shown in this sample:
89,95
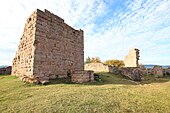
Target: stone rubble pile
132,73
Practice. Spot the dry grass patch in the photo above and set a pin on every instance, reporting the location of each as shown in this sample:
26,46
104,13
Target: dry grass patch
112,94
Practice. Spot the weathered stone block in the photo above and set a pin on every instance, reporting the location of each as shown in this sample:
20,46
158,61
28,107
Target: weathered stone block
81,76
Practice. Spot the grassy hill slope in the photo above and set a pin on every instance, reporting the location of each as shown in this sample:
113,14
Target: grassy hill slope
112,94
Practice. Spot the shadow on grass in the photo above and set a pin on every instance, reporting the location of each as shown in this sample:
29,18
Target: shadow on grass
108,78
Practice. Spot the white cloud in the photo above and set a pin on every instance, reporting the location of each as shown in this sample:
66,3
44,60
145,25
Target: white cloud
15,12
136,28
109,32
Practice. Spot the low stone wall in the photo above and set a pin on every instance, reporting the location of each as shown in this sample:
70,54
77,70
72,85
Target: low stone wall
134,73
82,76
98,67
5,70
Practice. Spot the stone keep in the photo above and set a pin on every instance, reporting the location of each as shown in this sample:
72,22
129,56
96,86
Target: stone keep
131,60
48,48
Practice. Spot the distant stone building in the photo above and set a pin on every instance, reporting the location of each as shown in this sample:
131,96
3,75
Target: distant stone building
131,60
49,48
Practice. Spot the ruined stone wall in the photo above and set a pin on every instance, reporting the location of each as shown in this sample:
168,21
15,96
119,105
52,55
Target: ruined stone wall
134,73
49,48
23,63
5,70
157,71
98,67
131,60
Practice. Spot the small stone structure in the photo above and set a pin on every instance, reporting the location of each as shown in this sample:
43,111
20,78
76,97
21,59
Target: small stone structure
131,60
98,67
82,76
48,49
158,71
5,70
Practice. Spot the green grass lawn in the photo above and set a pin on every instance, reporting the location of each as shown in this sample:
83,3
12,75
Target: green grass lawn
112,93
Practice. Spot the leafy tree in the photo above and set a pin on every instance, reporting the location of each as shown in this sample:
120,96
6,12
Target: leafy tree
88,60
92,60
115,62
95,60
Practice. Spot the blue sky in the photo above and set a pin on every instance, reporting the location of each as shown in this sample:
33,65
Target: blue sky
111,27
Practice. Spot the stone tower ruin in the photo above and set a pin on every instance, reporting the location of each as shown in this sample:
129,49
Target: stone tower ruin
49,48
131,60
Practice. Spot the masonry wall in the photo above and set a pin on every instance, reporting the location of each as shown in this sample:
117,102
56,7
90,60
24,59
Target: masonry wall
51,48
23,63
